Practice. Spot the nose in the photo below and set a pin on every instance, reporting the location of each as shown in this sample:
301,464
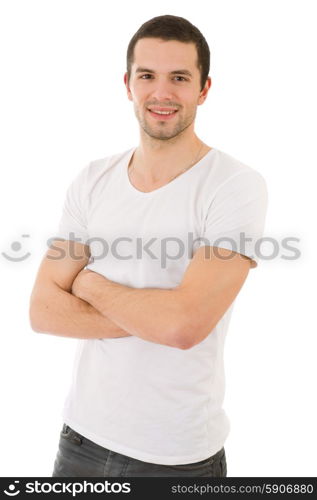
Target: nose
162,90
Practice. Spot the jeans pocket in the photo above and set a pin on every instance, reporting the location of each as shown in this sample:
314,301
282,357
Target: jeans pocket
70,435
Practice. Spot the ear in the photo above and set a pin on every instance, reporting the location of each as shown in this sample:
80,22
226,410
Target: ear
205,90
126,82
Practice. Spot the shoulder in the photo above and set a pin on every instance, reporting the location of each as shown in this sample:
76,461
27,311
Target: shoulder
228,173
98,170
105,164
227,166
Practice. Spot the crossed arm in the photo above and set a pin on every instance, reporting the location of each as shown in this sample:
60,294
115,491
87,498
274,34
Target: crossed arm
179,317
157,315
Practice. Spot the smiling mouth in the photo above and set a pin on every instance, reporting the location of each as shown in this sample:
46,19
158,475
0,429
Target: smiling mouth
162,115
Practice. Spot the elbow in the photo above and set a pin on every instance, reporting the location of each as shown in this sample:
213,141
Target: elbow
183,326
191,333
185,334
184,344
33,323
35,318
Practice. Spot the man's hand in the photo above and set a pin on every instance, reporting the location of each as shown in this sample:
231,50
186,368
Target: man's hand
88,286
84,280
157,315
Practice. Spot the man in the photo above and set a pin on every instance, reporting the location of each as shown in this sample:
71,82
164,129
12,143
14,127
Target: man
167,233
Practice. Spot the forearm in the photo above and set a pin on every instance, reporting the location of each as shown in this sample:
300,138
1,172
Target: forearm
63,314
157,315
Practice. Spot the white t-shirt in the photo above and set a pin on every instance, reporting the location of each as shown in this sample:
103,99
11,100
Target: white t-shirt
149,401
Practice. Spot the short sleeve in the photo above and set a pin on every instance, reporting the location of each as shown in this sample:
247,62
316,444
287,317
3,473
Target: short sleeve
236,216
73,221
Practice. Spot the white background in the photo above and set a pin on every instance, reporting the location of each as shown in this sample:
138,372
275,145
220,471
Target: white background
63,103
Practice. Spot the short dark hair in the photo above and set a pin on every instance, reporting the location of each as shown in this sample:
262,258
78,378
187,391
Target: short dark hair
173,28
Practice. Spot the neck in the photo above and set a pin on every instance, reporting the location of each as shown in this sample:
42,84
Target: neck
156,161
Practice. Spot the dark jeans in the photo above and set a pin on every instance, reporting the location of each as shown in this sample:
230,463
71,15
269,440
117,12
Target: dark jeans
77,456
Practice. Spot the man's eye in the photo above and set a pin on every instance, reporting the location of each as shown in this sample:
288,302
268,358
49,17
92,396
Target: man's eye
147,74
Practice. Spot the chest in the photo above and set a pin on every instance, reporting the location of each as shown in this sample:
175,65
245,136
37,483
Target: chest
145,241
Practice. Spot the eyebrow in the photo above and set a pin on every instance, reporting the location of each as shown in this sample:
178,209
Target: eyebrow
176,72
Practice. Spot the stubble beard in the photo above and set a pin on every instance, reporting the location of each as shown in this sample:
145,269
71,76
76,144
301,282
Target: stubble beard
162,131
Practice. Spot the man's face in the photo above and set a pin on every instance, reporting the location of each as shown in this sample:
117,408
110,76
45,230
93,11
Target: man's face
153,87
